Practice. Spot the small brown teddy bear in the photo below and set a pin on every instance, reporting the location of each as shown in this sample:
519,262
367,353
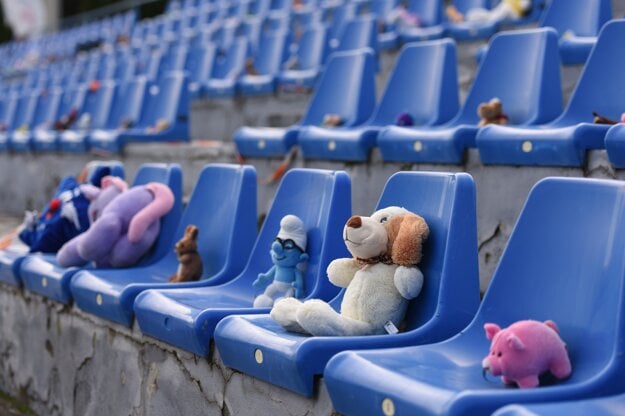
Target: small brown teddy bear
491,113
190,267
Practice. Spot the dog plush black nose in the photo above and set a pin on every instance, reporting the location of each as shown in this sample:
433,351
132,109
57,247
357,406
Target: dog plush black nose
354,222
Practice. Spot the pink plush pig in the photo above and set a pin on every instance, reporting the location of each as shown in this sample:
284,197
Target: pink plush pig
524,351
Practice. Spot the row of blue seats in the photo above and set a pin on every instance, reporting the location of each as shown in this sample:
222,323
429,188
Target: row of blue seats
113,114
16,55
522,68
549,270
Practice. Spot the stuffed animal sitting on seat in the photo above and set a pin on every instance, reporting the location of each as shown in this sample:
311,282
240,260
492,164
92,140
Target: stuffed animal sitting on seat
525,350
506,9
125,231
380,279
288,250
492,113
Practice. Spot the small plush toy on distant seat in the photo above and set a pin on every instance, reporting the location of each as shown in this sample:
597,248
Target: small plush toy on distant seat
524,351
287,251
506,9
190,268
492,113
380,279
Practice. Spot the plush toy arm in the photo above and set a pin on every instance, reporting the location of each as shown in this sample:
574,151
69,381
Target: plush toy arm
408,281
68,255
97,241
264,278
341,271
161,205
298,284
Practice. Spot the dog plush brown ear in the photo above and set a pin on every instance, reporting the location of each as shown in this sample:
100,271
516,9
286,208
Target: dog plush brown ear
406,235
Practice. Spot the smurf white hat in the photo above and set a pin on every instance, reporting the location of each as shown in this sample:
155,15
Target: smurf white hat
291,227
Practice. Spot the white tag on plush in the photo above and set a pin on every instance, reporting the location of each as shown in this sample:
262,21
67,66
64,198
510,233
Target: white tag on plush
390,327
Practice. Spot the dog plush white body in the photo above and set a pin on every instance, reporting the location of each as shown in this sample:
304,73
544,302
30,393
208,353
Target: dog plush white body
380,279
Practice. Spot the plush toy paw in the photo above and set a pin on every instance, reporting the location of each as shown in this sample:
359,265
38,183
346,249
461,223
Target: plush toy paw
284,312
341,271
408,281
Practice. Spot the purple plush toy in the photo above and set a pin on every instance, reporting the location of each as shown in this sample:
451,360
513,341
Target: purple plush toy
125,230
524,351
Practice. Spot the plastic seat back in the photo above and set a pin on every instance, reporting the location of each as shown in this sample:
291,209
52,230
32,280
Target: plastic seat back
602,82
230,64
359,33
200,62
522,69
423,84
271,53
322,200
335,18
167,101
449,265
346,88
47,107
582,17
564,261
430,12
9,105
220,188
25,110
171,175
127,102
175,59
312,48
98,104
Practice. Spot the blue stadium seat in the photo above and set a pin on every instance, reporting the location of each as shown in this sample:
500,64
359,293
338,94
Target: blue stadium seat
165,103
41,273
22,122
360,32
11,258
187,318
7,114
562,245
578,22
346,88
45,114
422,85
228,66
335,17
386,33
223,207
470,30
302,68
96,109
521,68
73,99
125,112
199,65
430,13
564,141
447,304
272,50
603,406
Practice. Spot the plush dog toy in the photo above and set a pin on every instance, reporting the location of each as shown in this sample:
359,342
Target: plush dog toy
287,251
524,351
491,113
124,232
380,279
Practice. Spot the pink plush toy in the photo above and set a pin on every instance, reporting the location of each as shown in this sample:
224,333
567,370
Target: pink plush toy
524,351
124,231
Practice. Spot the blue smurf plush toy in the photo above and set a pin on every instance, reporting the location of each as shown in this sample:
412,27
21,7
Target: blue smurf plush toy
287,251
